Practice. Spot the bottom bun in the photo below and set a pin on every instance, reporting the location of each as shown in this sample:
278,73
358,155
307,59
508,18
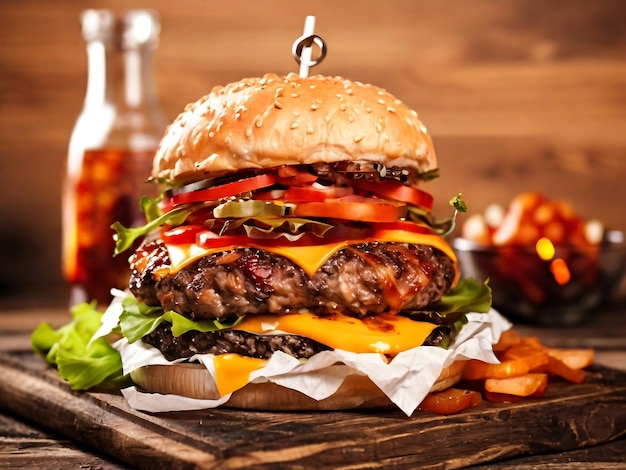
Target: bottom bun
194,381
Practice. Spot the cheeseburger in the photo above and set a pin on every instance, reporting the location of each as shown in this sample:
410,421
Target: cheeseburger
293,260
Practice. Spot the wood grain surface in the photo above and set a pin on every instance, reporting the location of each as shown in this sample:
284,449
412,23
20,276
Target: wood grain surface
518,95
23,445
568,417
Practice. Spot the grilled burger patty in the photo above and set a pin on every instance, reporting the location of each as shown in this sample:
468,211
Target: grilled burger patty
360,280
230,341
244,343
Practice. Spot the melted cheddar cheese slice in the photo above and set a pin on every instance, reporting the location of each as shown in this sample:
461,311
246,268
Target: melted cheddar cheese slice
385,334
232,371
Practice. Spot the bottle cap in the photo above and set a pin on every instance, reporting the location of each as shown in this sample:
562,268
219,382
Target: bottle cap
140,28
98,25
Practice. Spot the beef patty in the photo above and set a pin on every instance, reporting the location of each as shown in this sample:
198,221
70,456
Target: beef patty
250,344
359,280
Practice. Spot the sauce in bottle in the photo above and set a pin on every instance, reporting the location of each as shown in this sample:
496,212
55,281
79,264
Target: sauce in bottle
111,150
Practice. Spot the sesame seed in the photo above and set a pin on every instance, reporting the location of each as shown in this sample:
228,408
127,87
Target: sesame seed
296,113
294,95
390,109
294,125
368,110
343,106
379,127
350,118
211,134
381,101
248,132
227,140
313,106
310,130
358,138
278,104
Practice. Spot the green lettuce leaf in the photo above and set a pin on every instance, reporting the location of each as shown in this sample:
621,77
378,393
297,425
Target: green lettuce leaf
467,296
83,364
125,236
138,319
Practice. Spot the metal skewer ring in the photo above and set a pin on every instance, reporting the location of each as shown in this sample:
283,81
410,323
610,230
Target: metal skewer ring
307,42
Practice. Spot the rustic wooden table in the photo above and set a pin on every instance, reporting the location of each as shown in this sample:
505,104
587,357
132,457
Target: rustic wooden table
24,443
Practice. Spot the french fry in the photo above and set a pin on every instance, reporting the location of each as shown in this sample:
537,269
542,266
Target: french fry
523,385
574,358
522,350
507,339
525,369
557,367
450,401
477,370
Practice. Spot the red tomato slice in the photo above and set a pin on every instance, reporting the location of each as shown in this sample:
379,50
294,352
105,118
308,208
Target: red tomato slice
295,194
402,225
337,209
397,191
308,193
182,234
208,239
225,190
451,400
315,194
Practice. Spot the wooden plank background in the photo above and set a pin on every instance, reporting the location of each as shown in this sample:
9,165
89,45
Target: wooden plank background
518,95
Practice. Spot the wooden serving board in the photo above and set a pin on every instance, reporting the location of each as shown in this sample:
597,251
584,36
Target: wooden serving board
568,417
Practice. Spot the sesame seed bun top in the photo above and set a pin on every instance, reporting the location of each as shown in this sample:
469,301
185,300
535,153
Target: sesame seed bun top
270,121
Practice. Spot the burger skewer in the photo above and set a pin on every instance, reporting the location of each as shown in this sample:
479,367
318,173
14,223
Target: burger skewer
302,49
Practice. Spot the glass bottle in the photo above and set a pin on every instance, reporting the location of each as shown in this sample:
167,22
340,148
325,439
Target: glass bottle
111,150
